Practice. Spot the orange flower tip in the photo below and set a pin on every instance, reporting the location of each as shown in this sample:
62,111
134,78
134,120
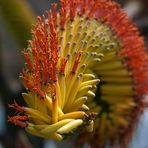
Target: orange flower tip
40,93
18,120
72,10
27,58
76,62
54,8
63,65
16,107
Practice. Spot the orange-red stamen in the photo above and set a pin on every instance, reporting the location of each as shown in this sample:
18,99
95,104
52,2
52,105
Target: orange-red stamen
63,65
76,62
16,107
28,60
17,120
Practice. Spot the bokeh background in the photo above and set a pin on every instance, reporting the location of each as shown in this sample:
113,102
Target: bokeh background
16,19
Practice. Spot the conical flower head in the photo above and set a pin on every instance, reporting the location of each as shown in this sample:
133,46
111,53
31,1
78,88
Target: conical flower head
85,73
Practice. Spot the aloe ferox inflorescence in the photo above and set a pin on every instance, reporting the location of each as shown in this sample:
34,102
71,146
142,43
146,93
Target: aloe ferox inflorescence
86,73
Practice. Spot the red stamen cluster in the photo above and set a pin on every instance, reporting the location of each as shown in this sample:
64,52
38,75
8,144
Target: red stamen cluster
43,54
18,119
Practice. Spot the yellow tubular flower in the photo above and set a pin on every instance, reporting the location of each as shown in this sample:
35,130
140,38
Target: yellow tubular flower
85,73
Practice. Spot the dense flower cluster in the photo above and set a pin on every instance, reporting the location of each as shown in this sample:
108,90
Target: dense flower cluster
86,73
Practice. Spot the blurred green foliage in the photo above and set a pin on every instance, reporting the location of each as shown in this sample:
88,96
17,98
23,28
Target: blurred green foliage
18,17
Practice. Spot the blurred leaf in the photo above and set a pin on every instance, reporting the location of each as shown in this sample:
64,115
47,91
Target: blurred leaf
18,17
